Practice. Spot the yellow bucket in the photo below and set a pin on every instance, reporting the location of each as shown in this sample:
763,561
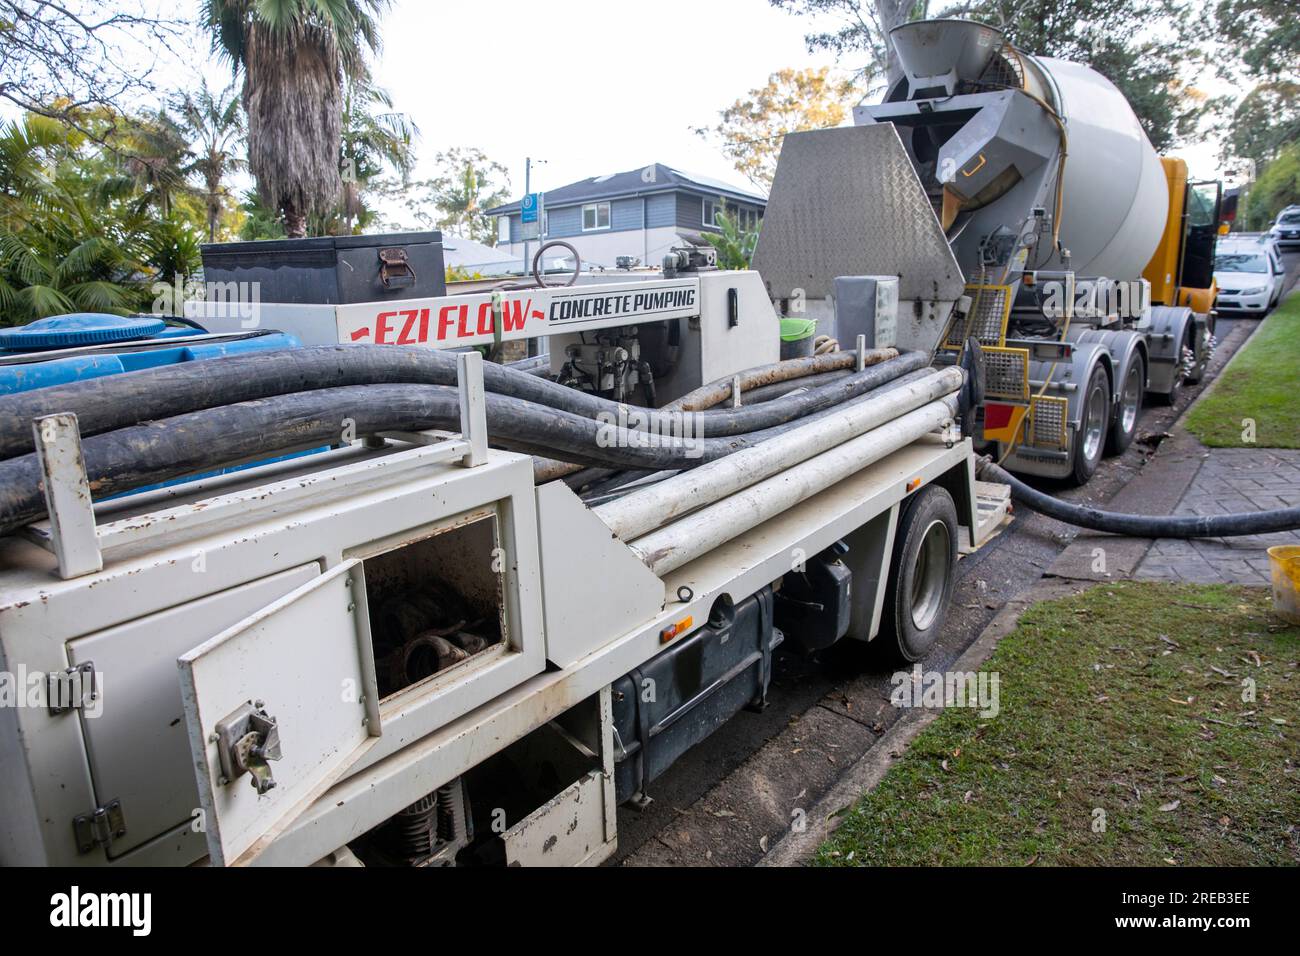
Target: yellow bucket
1284,562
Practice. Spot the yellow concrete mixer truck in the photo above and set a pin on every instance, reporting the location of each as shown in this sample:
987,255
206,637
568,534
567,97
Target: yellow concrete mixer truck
1015,202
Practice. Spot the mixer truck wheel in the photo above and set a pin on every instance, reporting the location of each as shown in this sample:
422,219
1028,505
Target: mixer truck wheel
1124,427
1196,374
920,577
1182,374
1090,439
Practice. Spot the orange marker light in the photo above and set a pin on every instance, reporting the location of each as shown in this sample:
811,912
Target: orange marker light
913,485
668,633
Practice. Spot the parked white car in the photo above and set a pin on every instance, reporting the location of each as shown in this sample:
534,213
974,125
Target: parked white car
1286,231
1249,276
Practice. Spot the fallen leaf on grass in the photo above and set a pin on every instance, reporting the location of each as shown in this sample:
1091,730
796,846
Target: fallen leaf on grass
1171,806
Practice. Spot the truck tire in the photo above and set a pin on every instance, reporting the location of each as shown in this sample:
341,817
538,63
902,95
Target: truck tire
1196,374
1124,428
1181,377
1094,419
920,577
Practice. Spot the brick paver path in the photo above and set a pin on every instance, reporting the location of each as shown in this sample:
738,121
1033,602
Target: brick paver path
1231,479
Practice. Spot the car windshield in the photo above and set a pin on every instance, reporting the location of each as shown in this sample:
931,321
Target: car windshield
1240,262
1290,218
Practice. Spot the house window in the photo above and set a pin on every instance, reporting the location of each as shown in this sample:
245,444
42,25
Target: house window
503,228
746,219
710,217
595,216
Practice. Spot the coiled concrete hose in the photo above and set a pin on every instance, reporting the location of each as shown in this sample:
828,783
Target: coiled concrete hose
118,401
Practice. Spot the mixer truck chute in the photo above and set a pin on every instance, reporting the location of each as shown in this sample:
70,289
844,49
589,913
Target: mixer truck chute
1055,212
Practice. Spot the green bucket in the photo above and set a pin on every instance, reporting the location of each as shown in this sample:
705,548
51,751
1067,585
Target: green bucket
797,337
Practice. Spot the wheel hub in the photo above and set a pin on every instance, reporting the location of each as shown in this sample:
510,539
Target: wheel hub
930,574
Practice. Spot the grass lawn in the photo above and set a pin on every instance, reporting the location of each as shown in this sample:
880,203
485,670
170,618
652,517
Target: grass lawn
1263,383
1126,700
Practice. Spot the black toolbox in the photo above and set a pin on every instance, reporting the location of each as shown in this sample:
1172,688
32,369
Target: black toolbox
680,696
330,270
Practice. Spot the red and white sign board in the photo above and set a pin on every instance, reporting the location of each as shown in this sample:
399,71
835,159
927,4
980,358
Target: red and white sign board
459,320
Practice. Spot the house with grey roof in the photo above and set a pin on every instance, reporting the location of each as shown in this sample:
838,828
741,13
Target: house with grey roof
640,214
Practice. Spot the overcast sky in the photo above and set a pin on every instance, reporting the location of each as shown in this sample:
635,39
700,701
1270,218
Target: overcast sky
590,88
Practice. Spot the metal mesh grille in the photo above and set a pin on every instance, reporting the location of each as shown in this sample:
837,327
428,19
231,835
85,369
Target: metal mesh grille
1003,71
990,306
1006,373
1047,421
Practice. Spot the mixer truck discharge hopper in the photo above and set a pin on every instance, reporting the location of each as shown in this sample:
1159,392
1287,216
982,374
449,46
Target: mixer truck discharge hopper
1024,215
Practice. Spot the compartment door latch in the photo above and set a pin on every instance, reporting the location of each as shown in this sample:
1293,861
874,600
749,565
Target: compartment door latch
246,741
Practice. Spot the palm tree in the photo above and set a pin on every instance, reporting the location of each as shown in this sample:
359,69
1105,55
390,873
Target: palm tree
294,55
63,251
215,126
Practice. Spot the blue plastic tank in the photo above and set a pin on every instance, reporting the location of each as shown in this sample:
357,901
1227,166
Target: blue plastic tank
84,345
70,348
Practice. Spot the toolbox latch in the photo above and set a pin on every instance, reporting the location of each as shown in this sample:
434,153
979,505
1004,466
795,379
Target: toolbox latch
395,269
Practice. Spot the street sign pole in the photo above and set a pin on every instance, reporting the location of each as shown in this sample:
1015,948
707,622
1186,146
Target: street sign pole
528,191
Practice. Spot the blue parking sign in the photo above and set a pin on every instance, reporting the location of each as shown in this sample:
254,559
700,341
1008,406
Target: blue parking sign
530,207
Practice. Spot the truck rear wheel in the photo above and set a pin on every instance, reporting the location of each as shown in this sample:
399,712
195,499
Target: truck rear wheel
920,578
1090,439
1134,386
1182,374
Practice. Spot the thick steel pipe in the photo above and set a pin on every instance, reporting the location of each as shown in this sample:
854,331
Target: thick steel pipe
640,512
683,541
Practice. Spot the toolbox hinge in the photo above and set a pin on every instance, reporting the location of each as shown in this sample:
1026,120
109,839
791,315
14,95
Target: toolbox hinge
100,827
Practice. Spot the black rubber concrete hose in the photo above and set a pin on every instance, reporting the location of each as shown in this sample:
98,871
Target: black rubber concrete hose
1143,526
118,401
145,454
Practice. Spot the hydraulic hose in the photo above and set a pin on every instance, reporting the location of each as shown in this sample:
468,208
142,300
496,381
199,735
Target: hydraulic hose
118,401
1143,526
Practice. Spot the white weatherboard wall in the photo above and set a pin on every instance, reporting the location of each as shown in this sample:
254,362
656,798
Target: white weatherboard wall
604,247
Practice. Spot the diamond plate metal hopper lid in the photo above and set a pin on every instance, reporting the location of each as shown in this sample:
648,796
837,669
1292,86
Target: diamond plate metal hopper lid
847,202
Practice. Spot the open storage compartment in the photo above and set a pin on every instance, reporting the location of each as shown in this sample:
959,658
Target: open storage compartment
436,601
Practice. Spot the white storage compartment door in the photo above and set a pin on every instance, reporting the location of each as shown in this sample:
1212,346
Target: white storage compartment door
135,731
277,708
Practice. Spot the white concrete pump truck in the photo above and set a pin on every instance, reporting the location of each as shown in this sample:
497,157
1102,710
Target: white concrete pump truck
371,600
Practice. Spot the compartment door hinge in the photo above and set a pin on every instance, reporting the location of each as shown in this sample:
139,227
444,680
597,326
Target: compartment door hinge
100,827
71,689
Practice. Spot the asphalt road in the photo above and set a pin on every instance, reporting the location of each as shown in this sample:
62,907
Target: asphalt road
838,683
